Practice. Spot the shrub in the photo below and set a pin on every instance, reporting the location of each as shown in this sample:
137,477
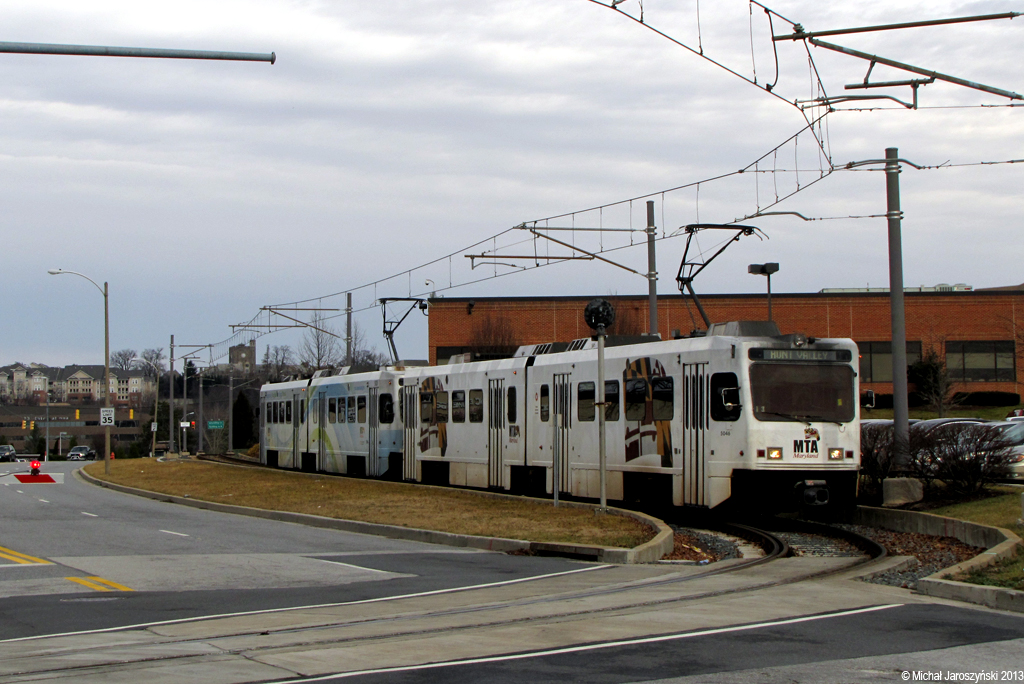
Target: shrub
970,457
254,451
876,455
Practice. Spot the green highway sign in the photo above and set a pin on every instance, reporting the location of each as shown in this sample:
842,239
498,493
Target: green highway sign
215,425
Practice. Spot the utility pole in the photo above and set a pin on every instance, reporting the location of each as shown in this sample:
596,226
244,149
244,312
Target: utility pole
900,407
231,412
170,401
652,270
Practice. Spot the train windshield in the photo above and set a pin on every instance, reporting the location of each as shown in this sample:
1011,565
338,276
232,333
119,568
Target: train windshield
802,391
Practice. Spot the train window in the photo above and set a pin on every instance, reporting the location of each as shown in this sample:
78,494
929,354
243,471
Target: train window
386,409
350,410
636,399
585,401
662,396
511,405
302,411
314,408
725,399
361,409
273,411
332,410
476,406
441,407
459,406
427,407
545,403
286,412
611,399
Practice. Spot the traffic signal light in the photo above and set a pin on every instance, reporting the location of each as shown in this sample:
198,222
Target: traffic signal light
24,424
193,425
131,414
32,425
78,415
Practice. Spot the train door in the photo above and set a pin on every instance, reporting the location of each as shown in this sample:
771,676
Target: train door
695,425
320,432
371,447
409,440
561,410
495,432
295,419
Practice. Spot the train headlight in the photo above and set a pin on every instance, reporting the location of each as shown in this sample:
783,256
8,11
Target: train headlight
835,454
774,453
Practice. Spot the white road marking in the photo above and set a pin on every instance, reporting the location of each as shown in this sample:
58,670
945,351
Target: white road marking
44,501
19,491
179,534
587,647
354,567
91,515
453,590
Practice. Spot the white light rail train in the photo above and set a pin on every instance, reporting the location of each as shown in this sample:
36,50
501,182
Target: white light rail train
737,415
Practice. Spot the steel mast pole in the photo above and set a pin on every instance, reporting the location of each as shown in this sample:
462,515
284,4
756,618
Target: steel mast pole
652,270
601,439
901,410
106,364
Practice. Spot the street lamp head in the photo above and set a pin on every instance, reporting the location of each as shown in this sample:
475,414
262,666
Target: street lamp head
763,269
55,271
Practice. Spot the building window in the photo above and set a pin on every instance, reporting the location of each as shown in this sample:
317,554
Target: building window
980,361
876,360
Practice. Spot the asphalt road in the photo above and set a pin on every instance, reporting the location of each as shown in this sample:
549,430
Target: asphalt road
74,556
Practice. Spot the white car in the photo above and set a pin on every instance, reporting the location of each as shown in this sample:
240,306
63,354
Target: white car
1013,432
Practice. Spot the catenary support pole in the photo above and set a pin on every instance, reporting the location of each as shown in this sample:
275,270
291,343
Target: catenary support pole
901,426
602,454
199,423
348,329
652,270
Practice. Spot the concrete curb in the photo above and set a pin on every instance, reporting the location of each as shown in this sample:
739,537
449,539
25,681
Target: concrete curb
1000,544
647,552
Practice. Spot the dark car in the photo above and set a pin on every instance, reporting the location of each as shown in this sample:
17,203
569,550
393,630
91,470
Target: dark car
81,453
8,454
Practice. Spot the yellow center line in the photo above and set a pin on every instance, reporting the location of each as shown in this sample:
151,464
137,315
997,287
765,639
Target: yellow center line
85,582
113,585
23,558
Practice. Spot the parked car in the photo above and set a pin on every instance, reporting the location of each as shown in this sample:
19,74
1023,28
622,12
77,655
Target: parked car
81,453
8,454
1013,433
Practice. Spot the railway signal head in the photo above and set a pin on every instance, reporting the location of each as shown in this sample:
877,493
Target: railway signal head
599,314
34,465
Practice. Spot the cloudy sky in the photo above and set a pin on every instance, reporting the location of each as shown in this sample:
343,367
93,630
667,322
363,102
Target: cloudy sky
388,135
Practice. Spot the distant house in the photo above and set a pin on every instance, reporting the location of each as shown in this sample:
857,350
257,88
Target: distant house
74,384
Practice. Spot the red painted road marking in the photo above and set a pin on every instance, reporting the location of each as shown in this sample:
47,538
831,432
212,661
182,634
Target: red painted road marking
35,479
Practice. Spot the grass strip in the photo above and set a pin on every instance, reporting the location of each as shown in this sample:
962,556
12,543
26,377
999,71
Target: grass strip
388,503
998,511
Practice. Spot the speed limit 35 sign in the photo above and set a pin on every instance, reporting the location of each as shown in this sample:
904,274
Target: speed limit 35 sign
106,417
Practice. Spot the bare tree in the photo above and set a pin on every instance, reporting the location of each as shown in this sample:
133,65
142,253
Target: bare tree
320,344
123,359
933,382
276,361
154,362
363,353
494,335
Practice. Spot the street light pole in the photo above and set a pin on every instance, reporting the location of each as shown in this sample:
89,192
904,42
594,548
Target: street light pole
106,355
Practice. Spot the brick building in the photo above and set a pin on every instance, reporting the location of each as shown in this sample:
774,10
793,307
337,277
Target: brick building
979,333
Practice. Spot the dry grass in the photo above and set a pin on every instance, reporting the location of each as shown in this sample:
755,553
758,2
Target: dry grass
389,503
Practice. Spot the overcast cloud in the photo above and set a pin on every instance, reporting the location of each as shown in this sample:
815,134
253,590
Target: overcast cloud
389,134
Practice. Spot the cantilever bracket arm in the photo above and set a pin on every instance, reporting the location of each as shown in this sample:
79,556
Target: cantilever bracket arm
915,69
390,326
